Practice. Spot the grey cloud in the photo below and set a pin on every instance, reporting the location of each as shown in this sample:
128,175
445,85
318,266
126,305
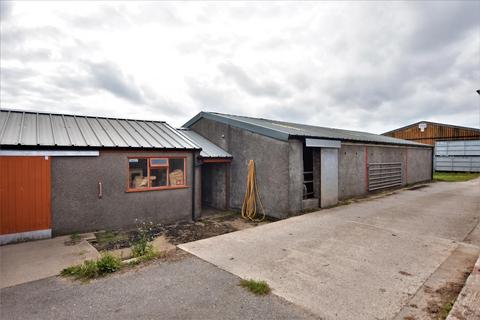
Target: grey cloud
5,9
443,23
111,78
251,85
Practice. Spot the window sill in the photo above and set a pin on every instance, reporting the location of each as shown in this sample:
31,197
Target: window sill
156,189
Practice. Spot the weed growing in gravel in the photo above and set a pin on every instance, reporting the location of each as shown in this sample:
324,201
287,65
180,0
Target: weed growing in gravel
256,287
93,268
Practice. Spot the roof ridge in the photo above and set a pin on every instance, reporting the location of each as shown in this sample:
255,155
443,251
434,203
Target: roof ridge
75,115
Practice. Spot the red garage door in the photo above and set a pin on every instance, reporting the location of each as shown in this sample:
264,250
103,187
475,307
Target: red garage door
24,194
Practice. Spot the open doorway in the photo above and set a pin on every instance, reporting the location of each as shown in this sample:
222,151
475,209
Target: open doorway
308,183
215,186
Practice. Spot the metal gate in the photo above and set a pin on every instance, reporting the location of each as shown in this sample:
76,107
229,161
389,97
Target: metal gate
384,175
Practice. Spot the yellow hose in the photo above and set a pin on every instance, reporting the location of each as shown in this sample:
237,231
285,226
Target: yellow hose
249,207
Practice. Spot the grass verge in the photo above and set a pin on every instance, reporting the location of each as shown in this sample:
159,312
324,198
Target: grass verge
257,287
455,176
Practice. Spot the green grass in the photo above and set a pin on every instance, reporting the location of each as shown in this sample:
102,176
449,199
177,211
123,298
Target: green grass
257,287
455,176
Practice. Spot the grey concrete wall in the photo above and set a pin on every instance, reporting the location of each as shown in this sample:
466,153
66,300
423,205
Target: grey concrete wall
419,165
213,185
351,171
295,176
329,177
77,208
416,165
271,159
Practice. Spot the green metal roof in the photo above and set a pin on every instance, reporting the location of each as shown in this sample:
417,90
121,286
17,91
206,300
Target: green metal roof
285,130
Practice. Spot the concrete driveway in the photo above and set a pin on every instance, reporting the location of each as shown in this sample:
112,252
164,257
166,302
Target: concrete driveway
34,260
376,259
187,288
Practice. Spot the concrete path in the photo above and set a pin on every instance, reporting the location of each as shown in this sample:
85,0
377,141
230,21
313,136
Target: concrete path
185,289
467,305
362,261
29,261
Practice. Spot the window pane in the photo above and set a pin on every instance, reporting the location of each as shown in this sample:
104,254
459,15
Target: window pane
158,162
158,177
177,174
137,171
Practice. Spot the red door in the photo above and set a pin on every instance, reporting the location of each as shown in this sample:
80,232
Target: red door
24,194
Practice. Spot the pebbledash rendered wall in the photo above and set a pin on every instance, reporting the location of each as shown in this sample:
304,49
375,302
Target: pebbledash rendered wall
279,166
76,206
352,177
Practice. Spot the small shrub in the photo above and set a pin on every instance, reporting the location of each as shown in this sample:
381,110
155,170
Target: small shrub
141,245
256,287
108,264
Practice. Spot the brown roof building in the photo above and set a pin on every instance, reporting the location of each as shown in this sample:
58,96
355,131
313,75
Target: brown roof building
428,132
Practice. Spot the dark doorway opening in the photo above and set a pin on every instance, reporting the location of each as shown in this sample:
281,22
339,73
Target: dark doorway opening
215,185
308,185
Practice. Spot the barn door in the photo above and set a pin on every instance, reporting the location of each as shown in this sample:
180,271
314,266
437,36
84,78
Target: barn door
24,194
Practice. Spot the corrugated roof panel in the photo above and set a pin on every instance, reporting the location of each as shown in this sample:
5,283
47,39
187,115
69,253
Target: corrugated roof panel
74,132
153,126
32,128
178,137
284,130
138,133
152,136
100,133
165,131
29,132
12,128
127,140
209,149
60,133
112,133
87,132
44,131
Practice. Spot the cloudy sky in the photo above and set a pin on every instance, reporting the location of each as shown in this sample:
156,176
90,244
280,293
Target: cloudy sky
370,66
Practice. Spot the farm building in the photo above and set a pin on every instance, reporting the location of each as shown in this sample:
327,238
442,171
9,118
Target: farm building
429,132
301,167
70,173
65,173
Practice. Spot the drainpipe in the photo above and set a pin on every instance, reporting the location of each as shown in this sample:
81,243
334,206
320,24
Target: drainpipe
193,185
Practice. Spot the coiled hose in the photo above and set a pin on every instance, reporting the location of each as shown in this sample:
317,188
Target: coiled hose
249,207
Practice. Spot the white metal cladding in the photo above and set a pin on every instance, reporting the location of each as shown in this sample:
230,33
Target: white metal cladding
22,128
384,175
461,164
457,148
460,155
322,143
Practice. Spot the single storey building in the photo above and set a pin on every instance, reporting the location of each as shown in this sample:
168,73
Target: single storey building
302,167
67,173
64,173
